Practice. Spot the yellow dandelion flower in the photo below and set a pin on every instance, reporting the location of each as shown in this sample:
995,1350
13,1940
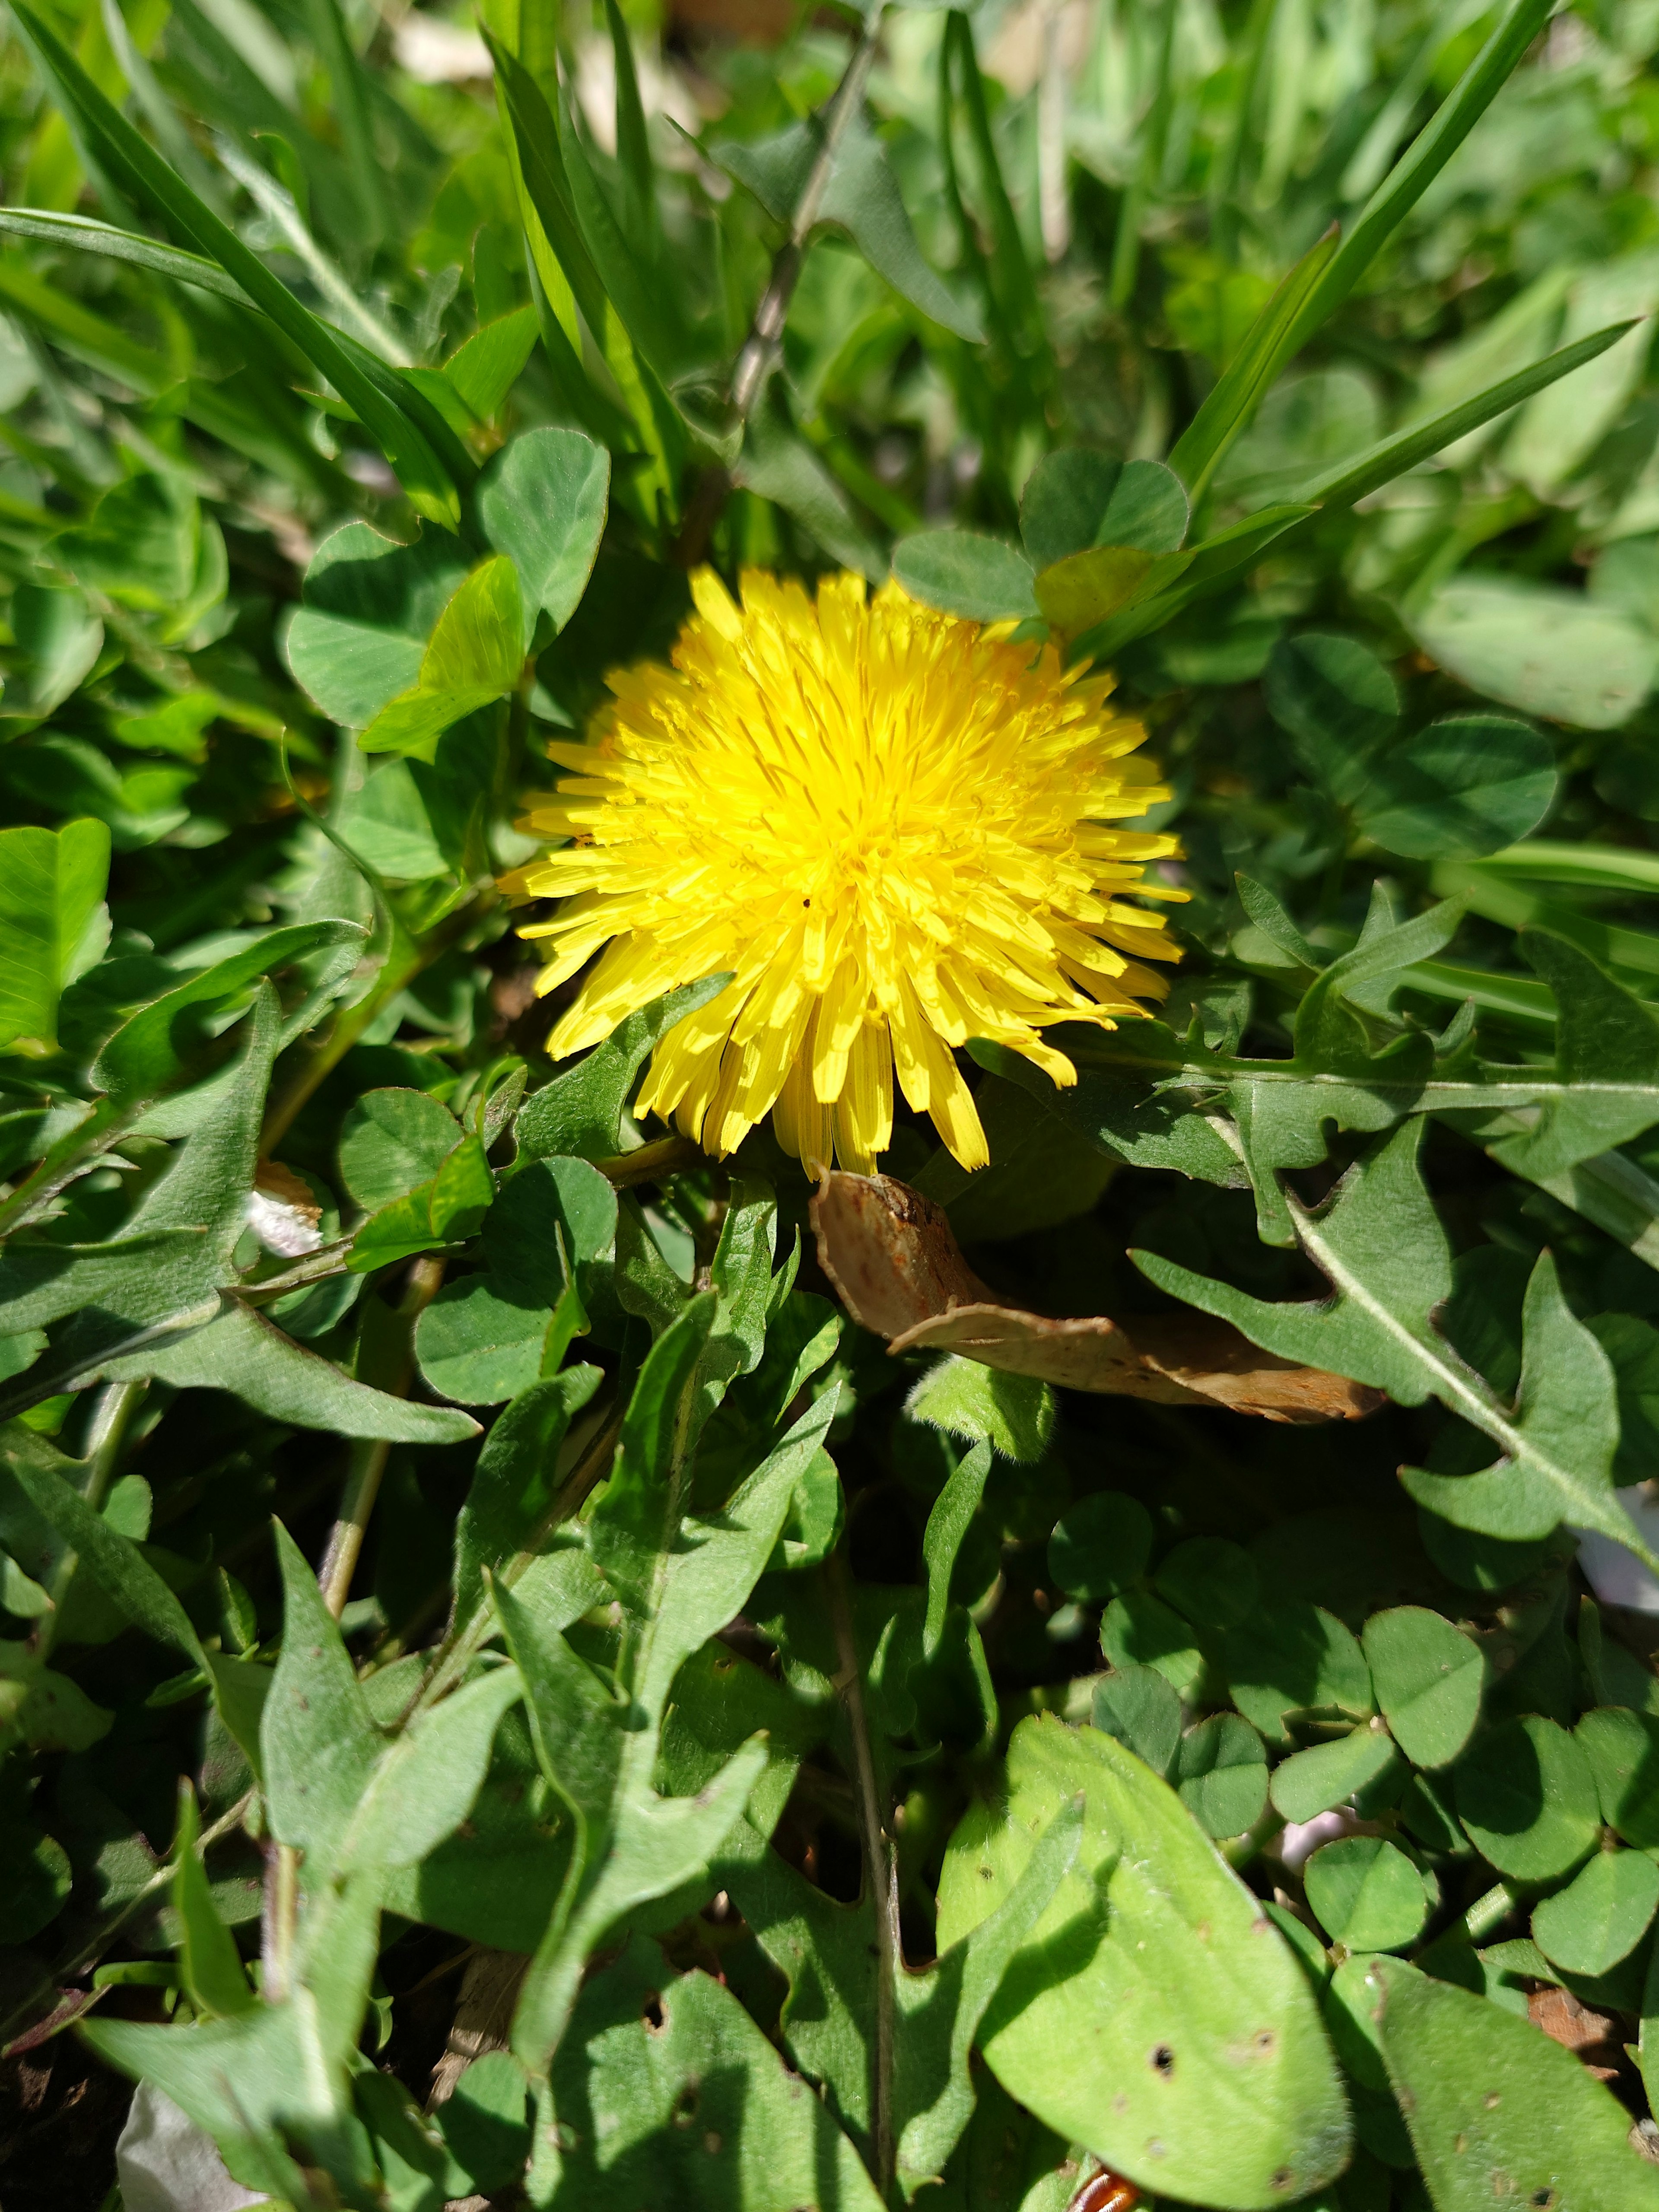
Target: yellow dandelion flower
898,830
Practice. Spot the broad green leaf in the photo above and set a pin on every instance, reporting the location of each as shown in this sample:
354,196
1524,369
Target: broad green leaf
579,1113
1546,650
1602,1915
1100,1545
318,1742
447,1209
1367,1894
53,925
962,573
1294,1658
486,366
543,501
1607,1064
1213,1582
1141,1709
478,1347
1381,1245
241,1351
62,638
1469,784
514,1481
1325,1774
1139,1630
861,197
475,655
1557,430
1221,1775
1013,1412
35,1881
1179,2040
647,2050
1527,1798
1337,699
1497,2111
1622,1747
557,1216
392,1142
1428,1678
368,607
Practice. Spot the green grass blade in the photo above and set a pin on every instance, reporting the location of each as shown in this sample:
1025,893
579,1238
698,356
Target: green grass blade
88,235
1382,463
640,218
1241,386
1010,269
1418,168
542,162
428,485
345,77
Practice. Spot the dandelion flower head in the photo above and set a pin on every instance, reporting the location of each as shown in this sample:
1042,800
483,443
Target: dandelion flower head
896,829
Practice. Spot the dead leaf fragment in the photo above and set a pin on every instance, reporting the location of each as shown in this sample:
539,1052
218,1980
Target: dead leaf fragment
891,1254
283,1211
1594,2037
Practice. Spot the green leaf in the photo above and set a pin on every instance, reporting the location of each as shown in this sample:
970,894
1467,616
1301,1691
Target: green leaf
962,573
86,234
1325,1774
478,1347
35,1881
241,1351
1469,784
543,502
1138,1706
1367,1894
1076,499
1210,1580
392,1142
1607,1064
172,1037
681,1579
1527,1799
53,925
861,197
447,1209
1497,2111
1622,1750
646,2047
368,605
1337,699
129,157
1015,1413
1428,1678
1602,1915
1546,650
485,368
512,1484
1121,2022
212,1968
1221,1775
1381,1245
1354,478
947,1524
579,1113
1139,1630
1293,1659
1100,1545
476,654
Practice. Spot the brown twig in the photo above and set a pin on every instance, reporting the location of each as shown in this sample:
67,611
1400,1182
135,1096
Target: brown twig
758,355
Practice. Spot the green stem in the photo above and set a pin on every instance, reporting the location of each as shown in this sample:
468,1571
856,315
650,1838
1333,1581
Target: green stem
106,1435
880,1871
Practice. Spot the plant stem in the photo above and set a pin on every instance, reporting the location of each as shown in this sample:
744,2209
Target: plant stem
881,1871
278,1916
392,1362
758,355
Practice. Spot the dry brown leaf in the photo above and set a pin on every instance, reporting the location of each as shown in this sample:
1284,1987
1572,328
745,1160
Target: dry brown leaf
1594,2037
891,1254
